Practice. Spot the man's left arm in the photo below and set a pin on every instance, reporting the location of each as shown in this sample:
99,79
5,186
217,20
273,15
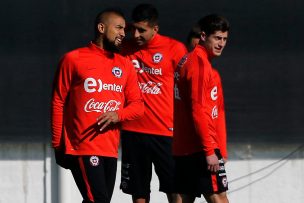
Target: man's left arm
179,51
134,104
221,127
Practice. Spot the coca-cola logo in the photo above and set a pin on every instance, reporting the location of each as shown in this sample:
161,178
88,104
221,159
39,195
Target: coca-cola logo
97,106
150,87
214,113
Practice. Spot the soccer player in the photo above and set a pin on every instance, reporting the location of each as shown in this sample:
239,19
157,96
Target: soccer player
199,142
193,37
94,89
148,140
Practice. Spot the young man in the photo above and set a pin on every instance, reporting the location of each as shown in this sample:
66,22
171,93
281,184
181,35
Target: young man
199,143
94,89
149,139
192,40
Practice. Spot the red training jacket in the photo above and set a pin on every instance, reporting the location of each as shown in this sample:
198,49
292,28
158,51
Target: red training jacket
199,116
155,63
91,81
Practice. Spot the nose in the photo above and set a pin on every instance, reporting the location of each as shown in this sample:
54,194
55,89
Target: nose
136,33
123,33
222,42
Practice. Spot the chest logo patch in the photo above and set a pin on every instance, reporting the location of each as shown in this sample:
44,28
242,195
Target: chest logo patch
117,72
157,57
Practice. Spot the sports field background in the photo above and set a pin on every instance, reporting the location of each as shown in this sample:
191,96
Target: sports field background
262,72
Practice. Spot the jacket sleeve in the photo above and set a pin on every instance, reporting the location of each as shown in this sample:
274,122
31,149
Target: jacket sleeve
134,105
198,79
221,126
179,51
61,86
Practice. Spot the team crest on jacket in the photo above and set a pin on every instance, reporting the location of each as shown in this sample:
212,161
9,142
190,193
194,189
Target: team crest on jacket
117,72
157,57
94,160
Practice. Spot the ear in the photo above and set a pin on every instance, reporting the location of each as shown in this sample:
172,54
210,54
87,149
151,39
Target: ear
203,36
155,28
101,28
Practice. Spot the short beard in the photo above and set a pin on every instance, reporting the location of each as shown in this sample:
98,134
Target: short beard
110,46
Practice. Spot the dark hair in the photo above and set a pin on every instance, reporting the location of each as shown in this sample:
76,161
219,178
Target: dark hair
195,32
212,23
100,18
145,12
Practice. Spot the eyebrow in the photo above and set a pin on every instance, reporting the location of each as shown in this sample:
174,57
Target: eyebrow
140,29
218,36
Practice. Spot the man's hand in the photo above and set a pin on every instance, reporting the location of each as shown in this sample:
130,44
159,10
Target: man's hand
213,163
106,119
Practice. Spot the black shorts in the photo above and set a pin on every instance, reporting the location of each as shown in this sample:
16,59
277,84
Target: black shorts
64,160
94,177
139,151
193,178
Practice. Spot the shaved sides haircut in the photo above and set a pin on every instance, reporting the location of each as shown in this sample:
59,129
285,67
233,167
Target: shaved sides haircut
102,16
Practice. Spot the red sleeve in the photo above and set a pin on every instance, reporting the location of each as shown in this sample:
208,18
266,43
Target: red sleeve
179,51
61,88
134,105
202,120
221,126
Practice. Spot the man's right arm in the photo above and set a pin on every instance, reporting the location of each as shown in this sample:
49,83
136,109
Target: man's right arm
61,86
179,52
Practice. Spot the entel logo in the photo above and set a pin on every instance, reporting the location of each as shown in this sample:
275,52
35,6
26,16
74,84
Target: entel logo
91,85
213,93
140,67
